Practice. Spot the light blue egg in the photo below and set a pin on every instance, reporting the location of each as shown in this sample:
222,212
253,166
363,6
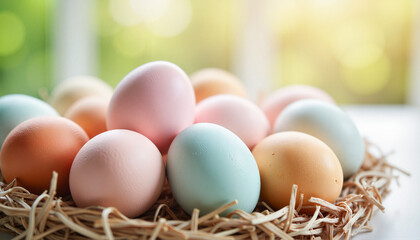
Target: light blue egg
328,123
209,166
17,108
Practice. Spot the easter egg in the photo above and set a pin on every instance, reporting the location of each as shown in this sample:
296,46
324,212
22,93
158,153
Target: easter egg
289,158
90,114
274,103
156,100
212,81
67,92
39,146
17,108
118,168
239,115
208,166
328,123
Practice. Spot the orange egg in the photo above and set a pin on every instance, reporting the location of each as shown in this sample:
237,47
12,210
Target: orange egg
39,146
90,114
289,158
211,81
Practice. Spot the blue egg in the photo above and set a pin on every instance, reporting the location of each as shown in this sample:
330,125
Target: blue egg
17,108
209,166
328,123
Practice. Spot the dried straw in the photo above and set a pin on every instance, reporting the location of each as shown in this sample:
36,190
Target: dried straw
31,216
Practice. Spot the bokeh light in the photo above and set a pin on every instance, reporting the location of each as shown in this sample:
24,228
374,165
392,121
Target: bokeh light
292,64
359,51
130,42
150,10
358,43
123,13
12,33
367,79
174,20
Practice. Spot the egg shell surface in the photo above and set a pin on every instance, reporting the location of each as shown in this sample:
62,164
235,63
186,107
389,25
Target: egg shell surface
39,146
118,168
72,89
156,100
90,114
239,115
276,102
208,166
212,81
17,108
289,158
328,123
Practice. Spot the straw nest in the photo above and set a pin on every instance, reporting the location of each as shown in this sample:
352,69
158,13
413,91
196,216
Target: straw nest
45,216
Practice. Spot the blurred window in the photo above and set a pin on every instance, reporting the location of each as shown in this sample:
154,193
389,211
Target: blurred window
357,50
25,46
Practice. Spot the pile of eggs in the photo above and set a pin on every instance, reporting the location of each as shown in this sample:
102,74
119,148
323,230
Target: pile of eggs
115,147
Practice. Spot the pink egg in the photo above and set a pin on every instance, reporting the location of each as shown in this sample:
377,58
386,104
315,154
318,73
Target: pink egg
237,114
156,100
280,99
118,168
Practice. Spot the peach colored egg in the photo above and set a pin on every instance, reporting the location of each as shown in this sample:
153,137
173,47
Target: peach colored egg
280,99
90,114
75,88
118,168
156,100
289,158
239,115
212,81
39,146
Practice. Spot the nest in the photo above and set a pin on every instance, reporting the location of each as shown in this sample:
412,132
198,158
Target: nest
47,217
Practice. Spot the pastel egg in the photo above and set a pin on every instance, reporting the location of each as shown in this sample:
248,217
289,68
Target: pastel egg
289,158
90,114
328,123
274,104
212,81
67,92
118,168
17,108
39,146
239,115
208,166
156,100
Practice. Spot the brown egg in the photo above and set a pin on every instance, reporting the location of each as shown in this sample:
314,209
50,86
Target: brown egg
39,146
90,114
289,158
211,81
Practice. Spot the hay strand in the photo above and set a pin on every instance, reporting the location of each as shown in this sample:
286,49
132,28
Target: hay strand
29,216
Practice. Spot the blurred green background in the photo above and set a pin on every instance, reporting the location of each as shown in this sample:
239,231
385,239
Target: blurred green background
358,51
